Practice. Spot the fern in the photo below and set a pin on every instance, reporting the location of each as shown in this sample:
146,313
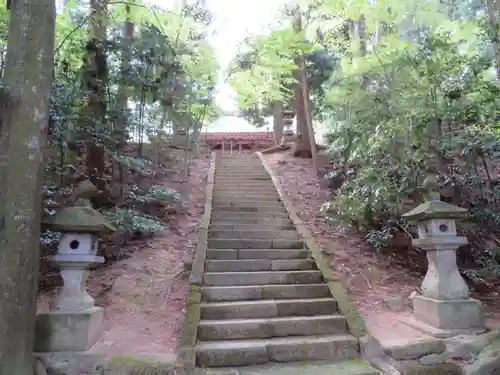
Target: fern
154,195
137,165
128,220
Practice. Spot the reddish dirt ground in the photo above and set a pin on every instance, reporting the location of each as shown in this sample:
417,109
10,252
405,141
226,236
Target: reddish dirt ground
379,284
144,296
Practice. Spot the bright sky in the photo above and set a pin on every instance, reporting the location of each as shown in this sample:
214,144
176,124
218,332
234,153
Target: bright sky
234,20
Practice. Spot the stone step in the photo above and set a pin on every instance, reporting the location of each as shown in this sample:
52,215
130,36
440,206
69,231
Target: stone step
244,162
250,178
249,190
263,298
260,216
273,220
262,277
277,208
242,194
240,170
240,175
353,366
244,184
214,243
258,292
259,234
256,188
241,165
234,329
246,165
250,227
268,308
233,254
249,207
246,193
244,159
258,265
245,198
237,175
246,189
243,177
246,203
288,349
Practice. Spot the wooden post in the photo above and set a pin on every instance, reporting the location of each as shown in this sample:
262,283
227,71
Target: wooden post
239,146
231,145
223,145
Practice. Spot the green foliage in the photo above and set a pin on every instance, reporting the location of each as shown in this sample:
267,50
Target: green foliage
256,116
265,69
404,89
409,107
387,128
169,78
154,195
135,222
135,164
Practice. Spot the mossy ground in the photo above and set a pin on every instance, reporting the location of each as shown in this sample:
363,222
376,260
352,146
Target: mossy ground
128,365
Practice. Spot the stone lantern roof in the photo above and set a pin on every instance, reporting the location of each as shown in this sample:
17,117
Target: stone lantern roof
80,218
433,207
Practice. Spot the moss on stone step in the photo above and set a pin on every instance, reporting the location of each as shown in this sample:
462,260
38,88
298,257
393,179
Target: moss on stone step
347,367
131,365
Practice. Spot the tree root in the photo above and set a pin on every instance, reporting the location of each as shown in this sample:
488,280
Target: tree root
167,294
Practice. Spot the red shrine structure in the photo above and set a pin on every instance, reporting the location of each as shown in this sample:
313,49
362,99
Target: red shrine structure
238,141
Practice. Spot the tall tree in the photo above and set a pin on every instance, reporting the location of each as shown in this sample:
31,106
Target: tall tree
95,79
493,10
302,146
26,97
278,121
122,99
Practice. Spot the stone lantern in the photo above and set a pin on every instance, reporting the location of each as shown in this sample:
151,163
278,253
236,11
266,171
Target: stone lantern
444,309
179,138
288,134
74,322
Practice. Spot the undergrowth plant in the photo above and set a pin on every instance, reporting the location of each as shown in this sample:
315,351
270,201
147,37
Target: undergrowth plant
406,89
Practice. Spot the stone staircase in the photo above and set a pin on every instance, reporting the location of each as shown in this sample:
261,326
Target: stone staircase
263,298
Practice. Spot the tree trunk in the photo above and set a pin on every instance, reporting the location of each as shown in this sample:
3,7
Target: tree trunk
28,76
361,35
94,115
307,109
493,9
122,101
278,121
302,145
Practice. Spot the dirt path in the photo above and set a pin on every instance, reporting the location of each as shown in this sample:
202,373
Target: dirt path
144,295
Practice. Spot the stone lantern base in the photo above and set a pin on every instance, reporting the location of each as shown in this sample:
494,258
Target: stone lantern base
66,331
447,318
